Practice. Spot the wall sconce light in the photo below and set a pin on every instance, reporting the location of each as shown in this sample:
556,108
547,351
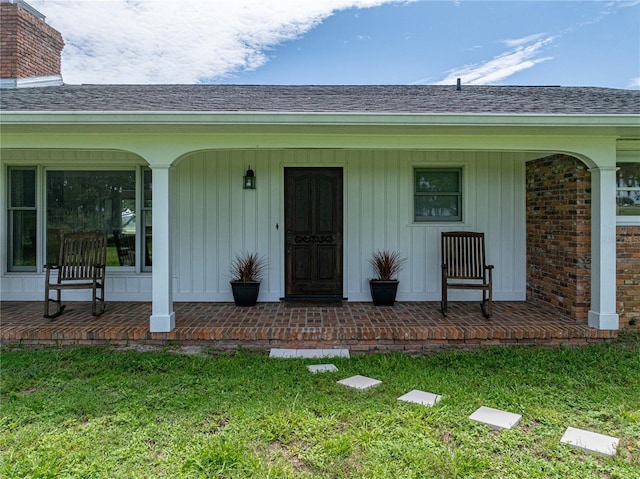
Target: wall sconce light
249,180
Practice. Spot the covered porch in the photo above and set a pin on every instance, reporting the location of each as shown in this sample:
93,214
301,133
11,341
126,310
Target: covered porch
540,182
358,326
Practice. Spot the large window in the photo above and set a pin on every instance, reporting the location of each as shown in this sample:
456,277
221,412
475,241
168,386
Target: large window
117,203
438,194
628,189
93,201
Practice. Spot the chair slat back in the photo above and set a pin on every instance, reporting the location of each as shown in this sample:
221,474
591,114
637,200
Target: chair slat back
464,254
82,255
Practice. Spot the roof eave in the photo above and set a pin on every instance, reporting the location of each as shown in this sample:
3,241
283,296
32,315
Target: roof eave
314,118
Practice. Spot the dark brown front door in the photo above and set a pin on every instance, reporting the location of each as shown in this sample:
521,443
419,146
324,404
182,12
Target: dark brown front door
313,225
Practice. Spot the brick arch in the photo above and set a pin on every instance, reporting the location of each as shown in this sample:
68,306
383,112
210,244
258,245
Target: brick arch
558,217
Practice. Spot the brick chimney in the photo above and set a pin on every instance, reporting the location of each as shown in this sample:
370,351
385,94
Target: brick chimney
30,50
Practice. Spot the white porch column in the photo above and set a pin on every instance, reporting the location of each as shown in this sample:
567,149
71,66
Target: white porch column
603,313
163,318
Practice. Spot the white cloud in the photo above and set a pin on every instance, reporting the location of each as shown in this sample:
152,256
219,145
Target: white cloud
634,83
520,58
517,42
177,41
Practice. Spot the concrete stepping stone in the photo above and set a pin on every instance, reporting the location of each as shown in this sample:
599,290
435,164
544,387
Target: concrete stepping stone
495,418
360,382
590,441
322,368
308,353
420,397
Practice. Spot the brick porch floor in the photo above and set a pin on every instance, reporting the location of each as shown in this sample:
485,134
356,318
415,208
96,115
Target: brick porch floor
409,326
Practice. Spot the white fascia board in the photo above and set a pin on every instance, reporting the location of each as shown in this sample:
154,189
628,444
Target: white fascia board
30,82
313,119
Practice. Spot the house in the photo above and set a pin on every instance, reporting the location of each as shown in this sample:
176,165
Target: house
550,174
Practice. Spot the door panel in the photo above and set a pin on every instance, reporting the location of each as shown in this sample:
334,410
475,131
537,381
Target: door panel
326,255
313,225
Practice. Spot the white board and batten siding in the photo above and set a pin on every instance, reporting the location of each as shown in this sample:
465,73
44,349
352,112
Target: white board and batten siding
214,218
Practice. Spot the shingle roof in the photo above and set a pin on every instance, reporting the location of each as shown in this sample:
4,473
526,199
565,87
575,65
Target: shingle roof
324,99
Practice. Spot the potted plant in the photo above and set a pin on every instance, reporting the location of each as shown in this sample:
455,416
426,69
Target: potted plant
246,273
386,265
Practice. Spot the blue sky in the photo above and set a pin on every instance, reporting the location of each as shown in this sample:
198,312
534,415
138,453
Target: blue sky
570,43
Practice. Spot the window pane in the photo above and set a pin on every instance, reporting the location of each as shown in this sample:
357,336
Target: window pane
628,193
628,175
54,239
147,177
445,207
23,188
23,240
92,201
147,192
148,238
437,181
438,194
628,202
125,248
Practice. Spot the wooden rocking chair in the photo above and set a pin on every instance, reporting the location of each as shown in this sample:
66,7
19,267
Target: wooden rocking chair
81,265
463,260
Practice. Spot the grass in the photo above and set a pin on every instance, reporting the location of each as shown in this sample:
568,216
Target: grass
101,412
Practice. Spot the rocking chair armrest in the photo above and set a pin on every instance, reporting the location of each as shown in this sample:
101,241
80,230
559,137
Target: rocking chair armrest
48,268
489,269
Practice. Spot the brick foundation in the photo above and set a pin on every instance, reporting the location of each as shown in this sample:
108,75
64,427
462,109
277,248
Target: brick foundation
559,234
360,327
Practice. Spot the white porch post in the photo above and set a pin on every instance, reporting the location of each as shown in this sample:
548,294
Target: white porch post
603,248
163,318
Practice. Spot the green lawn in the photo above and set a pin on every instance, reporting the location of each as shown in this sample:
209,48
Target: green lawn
100,412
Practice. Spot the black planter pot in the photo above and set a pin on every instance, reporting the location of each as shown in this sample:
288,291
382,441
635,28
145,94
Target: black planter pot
245,294
383,293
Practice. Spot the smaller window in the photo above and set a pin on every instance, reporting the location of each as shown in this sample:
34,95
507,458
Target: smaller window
438,194
146,215
628,189
22,219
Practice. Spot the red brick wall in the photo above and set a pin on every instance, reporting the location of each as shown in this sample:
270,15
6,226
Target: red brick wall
28,46
628,275
559,242
558,234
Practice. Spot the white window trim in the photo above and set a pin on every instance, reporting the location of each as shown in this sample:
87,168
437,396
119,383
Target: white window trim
463,194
